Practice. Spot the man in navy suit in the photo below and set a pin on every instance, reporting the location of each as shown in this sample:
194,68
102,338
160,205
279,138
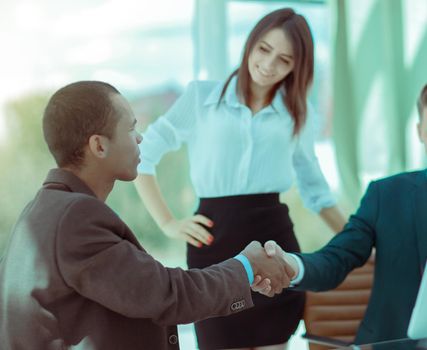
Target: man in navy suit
392,218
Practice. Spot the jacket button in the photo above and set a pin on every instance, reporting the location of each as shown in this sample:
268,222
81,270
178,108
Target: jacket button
173,339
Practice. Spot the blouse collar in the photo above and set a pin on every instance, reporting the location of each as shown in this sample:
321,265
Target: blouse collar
232,100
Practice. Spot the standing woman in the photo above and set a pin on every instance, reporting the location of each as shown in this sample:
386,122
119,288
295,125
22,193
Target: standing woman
245,137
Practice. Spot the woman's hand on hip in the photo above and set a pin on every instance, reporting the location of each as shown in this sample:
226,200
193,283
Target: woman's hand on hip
191,230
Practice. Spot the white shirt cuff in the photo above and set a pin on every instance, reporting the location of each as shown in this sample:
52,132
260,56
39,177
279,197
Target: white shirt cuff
295,281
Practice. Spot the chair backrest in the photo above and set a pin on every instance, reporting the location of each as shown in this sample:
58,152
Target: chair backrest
337,313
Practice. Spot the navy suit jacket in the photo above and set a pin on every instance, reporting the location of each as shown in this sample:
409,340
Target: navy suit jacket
392,217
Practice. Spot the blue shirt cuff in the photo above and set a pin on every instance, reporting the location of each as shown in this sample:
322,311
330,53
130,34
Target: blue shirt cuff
247,265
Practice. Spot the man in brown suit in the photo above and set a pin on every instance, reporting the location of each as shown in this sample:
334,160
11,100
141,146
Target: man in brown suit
74,275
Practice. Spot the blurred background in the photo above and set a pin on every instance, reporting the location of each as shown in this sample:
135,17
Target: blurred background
371,62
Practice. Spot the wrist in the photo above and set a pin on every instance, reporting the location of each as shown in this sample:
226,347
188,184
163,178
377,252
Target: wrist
290,260
164,223
251,261
247,265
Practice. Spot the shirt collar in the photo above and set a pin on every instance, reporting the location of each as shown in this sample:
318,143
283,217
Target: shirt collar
231,98
277,104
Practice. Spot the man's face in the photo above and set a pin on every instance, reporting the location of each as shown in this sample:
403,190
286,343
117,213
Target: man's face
422,128
123,151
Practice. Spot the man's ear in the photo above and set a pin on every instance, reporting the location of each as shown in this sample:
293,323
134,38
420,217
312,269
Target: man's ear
98,146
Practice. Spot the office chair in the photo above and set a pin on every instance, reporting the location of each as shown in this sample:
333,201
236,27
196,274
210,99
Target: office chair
332,318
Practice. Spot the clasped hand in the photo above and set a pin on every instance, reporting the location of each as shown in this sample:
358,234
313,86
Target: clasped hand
272,267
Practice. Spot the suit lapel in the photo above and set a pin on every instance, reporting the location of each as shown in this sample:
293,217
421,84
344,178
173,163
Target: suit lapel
420,195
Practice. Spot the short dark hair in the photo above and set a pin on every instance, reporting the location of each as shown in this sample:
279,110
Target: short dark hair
422,101
73,114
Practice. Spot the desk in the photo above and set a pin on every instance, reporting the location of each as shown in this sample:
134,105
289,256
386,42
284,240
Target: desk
398,344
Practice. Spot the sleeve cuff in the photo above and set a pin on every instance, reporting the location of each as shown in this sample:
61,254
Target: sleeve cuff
247,265
318,205
298,278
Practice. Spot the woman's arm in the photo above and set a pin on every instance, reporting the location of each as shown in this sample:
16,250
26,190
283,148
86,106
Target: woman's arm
312,184
333,217
168,133
189,229
149,191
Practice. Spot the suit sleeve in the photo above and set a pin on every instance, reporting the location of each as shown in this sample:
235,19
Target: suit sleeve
98,263
328,267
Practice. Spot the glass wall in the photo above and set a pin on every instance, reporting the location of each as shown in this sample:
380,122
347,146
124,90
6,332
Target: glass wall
151,49
143,48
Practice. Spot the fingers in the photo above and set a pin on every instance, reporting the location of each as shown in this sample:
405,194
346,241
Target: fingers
267,292
271,267
260,283
179,229
276,253
201,219
190,230
199,233
271,248
257,280
262,286
197,228
254,245
192,241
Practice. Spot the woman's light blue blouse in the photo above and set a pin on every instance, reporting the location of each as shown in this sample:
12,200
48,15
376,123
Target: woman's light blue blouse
232,152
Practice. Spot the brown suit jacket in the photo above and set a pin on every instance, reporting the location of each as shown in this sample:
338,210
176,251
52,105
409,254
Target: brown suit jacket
75,277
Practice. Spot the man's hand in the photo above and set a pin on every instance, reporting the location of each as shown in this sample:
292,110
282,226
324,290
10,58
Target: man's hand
262,286
273,249
275,269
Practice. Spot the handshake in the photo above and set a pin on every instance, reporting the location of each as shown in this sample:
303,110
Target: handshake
273,268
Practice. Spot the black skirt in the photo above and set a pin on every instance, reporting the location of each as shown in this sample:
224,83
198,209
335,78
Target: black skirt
238,220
